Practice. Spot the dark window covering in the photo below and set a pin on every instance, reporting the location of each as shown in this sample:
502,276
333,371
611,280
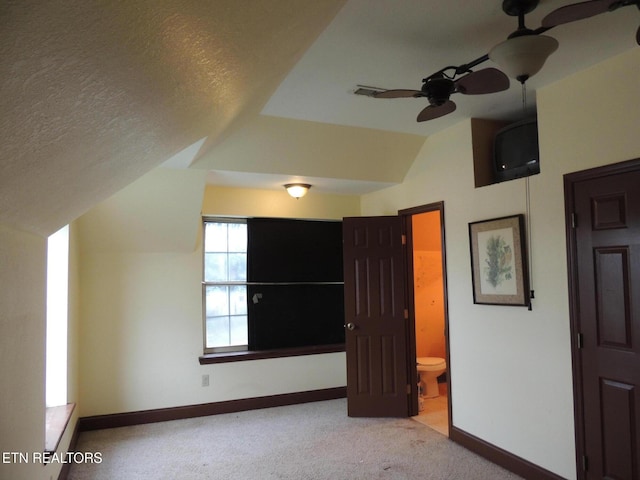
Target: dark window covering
296,316
283,250
296,295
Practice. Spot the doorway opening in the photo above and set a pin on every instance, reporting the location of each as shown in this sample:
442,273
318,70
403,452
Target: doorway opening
428,329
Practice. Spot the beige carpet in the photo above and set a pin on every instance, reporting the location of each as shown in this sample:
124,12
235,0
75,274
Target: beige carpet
314,441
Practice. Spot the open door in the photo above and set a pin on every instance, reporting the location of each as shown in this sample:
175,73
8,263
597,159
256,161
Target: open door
375,317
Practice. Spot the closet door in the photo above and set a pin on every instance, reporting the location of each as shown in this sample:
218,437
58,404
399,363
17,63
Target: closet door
605,274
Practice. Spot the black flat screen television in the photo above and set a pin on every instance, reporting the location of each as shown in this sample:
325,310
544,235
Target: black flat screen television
515,150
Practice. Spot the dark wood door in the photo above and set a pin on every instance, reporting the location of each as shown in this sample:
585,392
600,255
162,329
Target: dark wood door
607,238
375,323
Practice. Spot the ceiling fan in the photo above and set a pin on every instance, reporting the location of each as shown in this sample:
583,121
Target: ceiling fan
437,88
525,53
582,10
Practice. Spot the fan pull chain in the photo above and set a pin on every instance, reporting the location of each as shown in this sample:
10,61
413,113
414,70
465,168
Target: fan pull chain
529,245
528,210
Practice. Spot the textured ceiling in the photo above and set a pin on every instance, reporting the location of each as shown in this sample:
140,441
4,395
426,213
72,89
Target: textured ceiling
96,93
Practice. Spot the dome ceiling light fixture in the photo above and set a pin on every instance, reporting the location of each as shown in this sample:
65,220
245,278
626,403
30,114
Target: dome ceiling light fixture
524,52
297,190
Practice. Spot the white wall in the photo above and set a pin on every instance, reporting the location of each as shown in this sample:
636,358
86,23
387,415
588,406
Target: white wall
22,355
511,368
142,310
22,320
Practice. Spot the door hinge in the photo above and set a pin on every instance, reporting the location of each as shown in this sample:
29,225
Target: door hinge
404,239
408,389
406,314
580,341
585,463
574,220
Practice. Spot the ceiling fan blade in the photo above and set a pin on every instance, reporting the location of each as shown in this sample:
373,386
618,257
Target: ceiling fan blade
487,80
435,111
576,11
398,94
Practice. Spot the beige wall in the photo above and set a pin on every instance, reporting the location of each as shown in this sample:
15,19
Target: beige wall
142,310
510,367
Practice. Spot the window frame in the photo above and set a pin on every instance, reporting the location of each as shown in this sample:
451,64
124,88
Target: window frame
215,355
205,284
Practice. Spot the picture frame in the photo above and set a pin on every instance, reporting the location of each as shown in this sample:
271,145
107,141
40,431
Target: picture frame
499,268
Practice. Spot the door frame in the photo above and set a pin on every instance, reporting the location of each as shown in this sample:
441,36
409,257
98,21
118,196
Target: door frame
570,180
412,374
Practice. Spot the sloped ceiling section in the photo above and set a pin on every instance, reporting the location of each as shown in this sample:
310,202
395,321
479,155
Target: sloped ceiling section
95,94
159,212
273,145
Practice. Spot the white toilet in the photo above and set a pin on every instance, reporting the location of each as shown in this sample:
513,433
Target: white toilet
429,369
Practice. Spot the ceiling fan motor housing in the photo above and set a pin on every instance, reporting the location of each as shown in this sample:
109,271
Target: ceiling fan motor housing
438,90
518,7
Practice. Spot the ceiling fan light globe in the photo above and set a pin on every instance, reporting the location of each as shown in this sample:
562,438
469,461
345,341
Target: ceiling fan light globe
521,57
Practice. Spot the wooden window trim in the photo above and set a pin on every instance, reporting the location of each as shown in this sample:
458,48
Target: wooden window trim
57,419
245,355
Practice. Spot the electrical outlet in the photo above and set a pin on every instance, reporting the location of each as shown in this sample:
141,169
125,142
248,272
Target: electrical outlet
205,380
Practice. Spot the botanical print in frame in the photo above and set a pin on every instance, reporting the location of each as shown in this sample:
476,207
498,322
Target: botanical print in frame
498,261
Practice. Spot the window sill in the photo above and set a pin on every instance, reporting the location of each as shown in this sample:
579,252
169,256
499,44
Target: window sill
57,419
226,357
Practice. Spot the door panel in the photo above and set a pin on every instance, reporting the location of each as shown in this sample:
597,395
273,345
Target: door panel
375,317
612,290
618,430
607,237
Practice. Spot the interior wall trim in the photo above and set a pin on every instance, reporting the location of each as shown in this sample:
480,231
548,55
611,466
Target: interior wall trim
99,422
501,457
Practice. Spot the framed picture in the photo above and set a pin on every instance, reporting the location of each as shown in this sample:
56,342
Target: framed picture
498,261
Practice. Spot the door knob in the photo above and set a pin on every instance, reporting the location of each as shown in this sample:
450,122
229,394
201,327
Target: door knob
351,326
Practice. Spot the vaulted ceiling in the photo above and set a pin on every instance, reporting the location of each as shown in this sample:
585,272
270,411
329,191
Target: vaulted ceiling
95,94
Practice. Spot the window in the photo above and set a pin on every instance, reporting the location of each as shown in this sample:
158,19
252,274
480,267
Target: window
225,285
57,307
272,284
58,412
